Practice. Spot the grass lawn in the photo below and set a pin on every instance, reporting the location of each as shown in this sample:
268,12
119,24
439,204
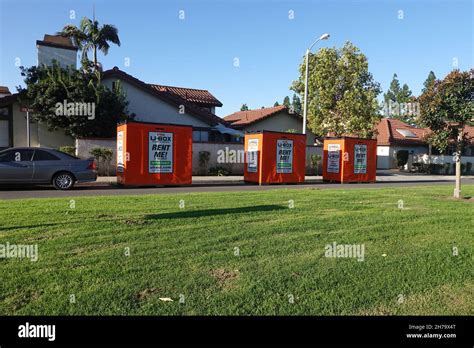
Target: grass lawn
242,253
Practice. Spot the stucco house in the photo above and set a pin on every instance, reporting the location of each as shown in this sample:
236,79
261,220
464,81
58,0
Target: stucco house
13,117
276,118
394,135
169,104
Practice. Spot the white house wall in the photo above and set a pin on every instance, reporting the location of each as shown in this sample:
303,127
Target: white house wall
387,155
149,108
39,133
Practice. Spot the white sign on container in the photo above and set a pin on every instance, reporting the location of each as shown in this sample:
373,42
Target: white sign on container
252,155
160,152
284,159
334,156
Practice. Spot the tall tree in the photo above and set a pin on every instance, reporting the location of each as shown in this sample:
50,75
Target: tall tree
276,104
296,104
286,101
60,96
446,107
393,90
399,102
429,80
90,36
244,107
342,96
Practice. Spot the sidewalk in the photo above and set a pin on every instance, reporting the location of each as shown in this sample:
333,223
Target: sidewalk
381,177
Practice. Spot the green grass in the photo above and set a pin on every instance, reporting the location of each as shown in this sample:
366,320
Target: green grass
191,251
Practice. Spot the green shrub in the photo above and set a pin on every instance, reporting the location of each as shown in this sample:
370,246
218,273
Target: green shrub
71,150
435,168
468,167
102,154
204,157
402,158
447,168
219,171
315,159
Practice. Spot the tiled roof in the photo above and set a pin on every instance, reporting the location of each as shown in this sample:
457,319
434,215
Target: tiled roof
388,134
4,90
58,41
168,97
242,119
198,96
8,99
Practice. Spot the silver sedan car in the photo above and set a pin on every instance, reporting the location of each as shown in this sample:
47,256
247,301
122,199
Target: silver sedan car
31,165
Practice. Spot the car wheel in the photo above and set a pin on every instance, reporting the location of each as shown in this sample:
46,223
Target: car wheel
63,181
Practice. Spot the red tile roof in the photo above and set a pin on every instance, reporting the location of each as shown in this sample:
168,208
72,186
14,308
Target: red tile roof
388,134
4,90
242,119
168,97
198,96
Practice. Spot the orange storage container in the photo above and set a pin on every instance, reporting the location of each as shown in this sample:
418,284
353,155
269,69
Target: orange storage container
349,159
154,154
274,157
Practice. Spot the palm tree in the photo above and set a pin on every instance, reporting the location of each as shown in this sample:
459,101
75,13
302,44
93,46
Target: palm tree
91,36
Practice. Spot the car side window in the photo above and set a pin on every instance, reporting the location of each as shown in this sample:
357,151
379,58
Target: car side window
41,155
16,155
7,156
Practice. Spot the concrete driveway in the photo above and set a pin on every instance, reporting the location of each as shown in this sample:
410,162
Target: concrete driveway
107,186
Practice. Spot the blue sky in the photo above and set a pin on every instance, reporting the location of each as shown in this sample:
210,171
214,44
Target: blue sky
199,51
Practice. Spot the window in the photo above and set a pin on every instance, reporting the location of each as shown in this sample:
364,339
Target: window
200,135
16,155
406,133
41,155
3,112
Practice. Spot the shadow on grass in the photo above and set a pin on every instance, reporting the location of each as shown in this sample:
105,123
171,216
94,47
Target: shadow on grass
213,212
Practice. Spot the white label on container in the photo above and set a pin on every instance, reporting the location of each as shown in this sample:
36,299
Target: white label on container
160,152
360,159
284,159
120,161
334,156
252,155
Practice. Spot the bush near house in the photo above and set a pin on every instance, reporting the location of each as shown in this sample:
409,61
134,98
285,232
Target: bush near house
402,158
204,157
219,171
70,150
103,157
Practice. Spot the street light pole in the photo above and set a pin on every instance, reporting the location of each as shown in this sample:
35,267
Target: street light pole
305,105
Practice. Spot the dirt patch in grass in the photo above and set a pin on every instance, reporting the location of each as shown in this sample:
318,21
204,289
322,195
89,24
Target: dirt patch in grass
145,294
443,300
225,279
135,222
21,300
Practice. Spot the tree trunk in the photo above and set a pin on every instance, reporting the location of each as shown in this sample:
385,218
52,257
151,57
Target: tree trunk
457,189
95,57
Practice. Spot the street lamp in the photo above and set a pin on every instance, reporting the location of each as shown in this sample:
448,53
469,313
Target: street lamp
305,106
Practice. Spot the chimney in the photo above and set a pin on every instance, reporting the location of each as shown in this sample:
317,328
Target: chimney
56,47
